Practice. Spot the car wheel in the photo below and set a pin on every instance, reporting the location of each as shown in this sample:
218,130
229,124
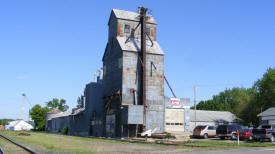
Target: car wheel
205,136
272,139
250,138
222,138
233,137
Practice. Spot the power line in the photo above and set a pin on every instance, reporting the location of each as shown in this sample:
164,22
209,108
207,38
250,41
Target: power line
28,100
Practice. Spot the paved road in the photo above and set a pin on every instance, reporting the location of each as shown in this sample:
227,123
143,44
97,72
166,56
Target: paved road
237,151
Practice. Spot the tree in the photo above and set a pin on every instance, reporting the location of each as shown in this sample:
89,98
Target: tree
38,114
57,104
235,100
79,102
266,90
5,121
245,103
264,97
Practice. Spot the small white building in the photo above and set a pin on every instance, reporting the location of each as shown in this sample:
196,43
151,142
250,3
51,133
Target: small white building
18,125
268,116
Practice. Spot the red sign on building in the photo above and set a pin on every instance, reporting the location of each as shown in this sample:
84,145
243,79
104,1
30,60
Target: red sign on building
175,103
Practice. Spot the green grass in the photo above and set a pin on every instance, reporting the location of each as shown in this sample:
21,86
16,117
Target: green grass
9,147
44,142
50,142
227,145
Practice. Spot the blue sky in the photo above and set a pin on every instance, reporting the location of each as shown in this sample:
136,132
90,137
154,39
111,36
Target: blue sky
50,49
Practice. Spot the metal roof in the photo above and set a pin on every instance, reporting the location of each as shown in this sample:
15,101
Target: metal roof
133,44
74,111
127,15
268,112
77,111
61,114
207,116
54,111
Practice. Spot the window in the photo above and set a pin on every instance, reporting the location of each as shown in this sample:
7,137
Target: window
167,123
244,130
127,29
211,128
266,126
200,127
148,31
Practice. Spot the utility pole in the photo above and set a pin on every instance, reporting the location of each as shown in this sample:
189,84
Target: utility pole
142,12
195,95
23,108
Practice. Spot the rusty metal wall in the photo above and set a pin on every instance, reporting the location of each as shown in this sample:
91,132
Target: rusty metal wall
155,91
132,114
122,72
155,114
120,28
131,79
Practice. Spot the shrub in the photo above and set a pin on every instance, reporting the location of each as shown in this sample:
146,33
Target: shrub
168,135
65,130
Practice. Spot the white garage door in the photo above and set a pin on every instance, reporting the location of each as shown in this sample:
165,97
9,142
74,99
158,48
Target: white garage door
174,120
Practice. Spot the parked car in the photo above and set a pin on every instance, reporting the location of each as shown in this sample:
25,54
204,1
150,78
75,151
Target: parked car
228,131
246,134
204,131
264,132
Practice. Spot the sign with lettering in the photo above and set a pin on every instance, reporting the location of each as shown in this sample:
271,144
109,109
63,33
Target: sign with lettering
175,103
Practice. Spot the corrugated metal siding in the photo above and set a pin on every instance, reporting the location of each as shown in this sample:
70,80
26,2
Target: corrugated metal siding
133,16
155,116
131,76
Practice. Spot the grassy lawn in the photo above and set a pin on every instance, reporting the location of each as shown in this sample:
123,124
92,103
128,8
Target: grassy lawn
43,143
228,145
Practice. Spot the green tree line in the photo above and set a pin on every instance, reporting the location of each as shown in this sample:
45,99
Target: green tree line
245,103
4,122
38,113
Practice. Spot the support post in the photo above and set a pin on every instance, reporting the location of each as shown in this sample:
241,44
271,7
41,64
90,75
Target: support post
142,12
195,95
23,106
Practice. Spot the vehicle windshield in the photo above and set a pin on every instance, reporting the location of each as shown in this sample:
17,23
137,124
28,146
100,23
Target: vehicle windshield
222,127
244,130
266,126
